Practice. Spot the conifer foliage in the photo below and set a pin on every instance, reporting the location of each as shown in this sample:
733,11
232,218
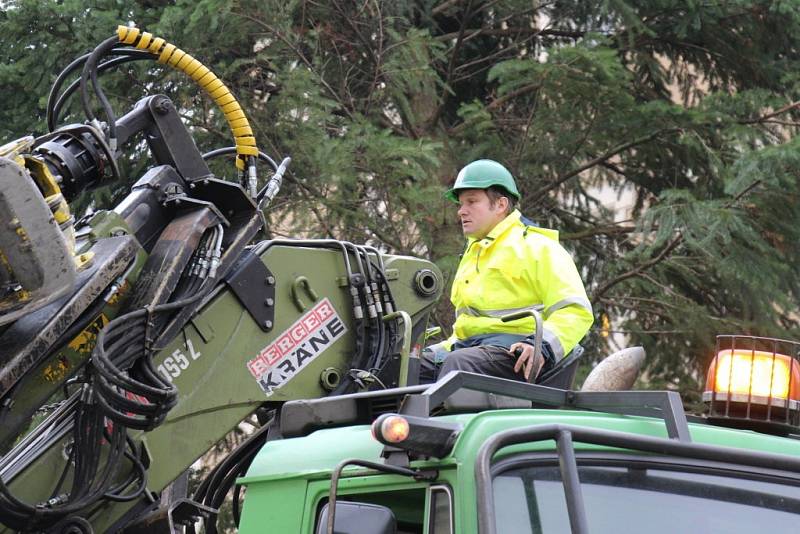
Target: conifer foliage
658,136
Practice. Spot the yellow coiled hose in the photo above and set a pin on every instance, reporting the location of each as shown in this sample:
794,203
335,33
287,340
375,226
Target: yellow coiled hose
169,54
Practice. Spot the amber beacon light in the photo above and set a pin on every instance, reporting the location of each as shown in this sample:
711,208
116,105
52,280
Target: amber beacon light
755,381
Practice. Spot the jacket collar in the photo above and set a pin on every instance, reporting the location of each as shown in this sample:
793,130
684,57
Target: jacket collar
500,228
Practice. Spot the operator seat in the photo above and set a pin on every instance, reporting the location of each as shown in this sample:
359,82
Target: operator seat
561,376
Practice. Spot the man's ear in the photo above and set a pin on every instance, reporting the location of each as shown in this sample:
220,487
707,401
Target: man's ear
502,203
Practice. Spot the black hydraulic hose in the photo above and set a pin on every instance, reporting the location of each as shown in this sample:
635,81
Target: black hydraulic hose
139,474
71,88
191,280
55,102
392,330
217,484
237,489
381,300
388,291
91,481
378,255
63,477
51,98
376,341
356,255
237,495
89,73
123,338
379,347
109,111
363,333
231,150
111,372
87,487
367,271
362,355
379,303
98,484
385,291
133,413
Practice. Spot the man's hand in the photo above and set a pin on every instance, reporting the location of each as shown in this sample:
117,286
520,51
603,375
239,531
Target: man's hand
526,360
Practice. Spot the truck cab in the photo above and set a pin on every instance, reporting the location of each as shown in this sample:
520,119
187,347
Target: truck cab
418,460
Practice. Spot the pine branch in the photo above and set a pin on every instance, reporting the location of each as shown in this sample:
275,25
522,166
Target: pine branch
613,168
610,301
379,60
444,6
764,118
651,332
611,230
491,59
600,159
782,123
494,104
639,268
451,65
285,40
512,32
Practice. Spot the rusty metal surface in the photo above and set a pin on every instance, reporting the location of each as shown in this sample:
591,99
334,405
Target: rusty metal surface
144,210
234,243
30,336
35,257
170,255
28,344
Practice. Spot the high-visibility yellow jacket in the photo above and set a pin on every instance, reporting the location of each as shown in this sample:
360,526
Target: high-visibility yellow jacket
518,267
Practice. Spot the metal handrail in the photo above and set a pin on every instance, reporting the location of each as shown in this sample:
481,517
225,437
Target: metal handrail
537,337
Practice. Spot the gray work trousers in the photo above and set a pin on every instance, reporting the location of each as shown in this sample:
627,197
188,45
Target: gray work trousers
483,359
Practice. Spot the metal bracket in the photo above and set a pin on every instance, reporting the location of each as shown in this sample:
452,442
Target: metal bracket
391,275
186,511
183,201
298,282
254,285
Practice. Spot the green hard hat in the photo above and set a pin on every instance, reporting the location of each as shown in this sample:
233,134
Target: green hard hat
482,174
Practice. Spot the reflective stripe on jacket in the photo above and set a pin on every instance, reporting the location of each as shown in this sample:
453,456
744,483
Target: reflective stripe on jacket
519,267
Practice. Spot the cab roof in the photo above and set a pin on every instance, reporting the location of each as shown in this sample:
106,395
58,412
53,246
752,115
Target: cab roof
318,453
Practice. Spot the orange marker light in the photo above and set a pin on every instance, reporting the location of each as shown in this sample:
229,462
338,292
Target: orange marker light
394,429
755,374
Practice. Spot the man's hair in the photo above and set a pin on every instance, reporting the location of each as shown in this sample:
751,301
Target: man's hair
494,193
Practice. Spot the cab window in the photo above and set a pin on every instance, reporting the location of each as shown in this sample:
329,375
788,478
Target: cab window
530,500
414,509
440,510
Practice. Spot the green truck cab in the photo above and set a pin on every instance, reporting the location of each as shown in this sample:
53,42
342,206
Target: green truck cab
430,459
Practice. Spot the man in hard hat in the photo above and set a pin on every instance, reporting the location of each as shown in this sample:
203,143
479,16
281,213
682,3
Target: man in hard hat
509,265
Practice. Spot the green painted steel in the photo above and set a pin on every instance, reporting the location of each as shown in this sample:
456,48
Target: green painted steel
320,451
309,461
265,507
209,361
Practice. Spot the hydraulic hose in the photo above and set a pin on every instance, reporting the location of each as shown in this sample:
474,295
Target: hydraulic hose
169,54
55,101
89,72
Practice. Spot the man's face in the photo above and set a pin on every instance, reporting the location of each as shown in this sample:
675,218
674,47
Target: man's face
478,215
